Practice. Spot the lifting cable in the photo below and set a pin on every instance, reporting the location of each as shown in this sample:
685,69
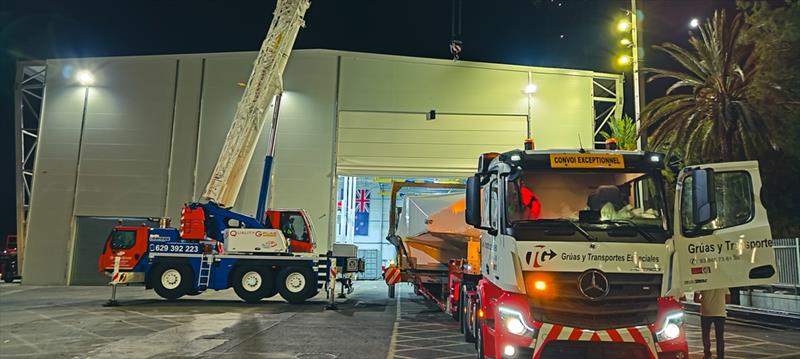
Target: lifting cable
455,30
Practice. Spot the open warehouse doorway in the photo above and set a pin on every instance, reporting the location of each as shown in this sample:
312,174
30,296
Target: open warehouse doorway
363,206
376,148
90,238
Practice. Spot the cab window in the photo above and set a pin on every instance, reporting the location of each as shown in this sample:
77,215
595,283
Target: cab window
294,227
734,197
493,205
123,239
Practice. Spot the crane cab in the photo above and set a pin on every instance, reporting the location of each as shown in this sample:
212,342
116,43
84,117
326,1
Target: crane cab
296,227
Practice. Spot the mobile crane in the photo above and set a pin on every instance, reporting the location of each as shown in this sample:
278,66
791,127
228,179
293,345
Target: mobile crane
216,248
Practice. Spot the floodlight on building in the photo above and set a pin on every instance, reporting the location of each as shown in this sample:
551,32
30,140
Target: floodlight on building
84,77
623,25
624,60
530,89
694,23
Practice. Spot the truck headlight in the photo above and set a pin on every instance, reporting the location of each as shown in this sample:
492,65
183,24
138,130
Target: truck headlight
514,322
671,328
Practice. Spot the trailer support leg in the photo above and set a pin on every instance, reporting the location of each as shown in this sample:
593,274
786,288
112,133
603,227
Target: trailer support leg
113,301
391,291
331,288
114,280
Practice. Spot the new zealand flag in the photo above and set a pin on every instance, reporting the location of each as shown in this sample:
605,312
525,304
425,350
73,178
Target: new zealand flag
362,212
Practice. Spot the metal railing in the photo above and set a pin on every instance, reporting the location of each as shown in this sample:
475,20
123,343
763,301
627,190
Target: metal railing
787,256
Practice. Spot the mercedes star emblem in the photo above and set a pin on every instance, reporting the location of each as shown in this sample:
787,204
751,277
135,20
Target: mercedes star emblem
593,284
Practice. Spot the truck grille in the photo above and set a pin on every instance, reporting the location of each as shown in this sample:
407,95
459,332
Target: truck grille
596,350
632,300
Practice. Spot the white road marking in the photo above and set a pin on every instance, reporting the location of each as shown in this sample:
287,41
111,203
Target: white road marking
163,318
16,291
27,343
64,324
787,355
393,342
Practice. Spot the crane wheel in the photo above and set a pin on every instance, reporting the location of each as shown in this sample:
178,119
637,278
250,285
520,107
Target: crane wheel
252,283
172,280
296,284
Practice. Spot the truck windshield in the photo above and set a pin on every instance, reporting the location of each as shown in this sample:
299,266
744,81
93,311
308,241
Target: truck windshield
122,239
587,205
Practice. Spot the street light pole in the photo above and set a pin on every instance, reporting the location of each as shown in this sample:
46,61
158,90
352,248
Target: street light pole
638,86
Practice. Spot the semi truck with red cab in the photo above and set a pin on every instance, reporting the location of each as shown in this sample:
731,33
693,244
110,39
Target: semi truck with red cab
581,257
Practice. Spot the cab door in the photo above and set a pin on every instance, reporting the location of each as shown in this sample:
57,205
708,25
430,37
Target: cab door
296,228
722,236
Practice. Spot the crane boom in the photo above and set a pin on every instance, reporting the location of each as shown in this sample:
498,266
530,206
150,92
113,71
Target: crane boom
264,84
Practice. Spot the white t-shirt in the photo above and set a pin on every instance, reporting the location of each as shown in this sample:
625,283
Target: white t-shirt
712,302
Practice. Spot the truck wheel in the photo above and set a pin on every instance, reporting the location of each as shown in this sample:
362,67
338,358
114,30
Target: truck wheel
252,283
467,316
172,280
479,339
8,274
460,310
296,284
476,327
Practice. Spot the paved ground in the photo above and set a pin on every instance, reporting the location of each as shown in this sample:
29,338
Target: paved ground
69,322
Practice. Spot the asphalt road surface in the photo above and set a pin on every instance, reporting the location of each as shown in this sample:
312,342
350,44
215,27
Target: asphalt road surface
69,322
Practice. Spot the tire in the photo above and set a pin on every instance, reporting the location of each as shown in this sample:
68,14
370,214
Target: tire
172,280
457,310
468,337
476,326
479,339
252,283
461,307
296,284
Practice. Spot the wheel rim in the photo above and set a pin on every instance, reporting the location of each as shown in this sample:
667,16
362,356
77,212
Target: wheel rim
295,282
171,279
251,281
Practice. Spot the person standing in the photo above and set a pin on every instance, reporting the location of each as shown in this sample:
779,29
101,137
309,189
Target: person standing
712,311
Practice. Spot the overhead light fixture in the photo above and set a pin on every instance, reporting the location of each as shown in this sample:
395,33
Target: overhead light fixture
694,23
84,77
625,42
624,60
530,88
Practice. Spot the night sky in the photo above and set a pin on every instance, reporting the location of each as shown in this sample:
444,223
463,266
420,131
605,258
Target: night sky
550,33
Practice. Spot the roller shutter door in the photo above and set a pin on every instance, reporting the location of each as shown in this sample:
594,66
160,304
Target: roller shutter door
409,145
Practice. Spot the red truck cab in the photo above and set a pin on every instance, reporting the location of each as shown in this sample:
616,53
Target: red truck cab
129,243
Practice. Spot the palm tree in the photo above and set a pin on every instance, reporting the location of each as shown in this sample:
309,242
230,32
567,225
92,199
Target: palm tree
706,112
623,129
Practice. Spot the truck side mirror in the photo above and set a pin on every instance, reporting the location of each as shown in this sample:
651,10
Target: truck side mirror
704,205
472,213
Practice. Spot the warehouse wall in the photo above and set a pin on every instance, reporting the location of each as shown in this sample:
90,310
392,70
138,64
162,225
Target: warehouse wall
146,138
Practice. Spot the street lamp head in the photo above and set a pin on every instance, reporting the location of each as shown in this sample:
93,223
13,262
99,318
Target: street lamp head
624,60
84,77
530,89
623,25
625,42
694,23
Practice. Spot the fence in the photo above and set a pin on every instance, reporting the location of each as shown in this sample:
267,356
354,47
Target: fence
787,256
